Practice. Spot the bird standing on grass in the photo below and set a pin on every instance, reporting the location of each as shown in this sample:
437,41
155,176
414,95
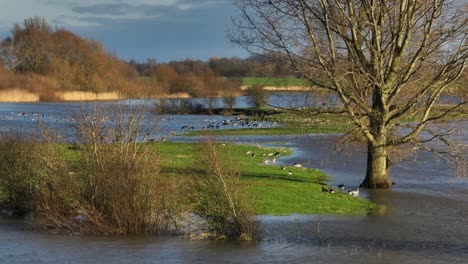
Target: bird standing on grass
354,193
297,165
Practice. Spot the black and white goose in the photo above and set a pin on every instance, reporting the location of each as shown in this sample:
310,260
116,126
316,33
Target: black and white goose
354,193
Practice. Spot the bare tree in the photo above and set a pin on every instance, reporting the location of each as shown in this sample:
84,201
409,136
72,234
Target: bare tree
387,61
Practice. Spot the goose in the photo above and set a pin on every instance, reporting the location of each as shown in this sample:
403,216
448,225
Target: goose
354,193
341,187
297,165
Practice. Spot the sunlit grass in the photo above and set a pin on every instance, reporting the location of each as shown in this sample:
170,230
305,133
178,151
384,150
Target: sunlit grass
277,191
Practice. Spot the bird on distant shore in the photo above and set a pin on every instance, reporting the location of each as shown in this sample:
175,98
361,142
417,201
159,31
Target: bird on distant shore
341,187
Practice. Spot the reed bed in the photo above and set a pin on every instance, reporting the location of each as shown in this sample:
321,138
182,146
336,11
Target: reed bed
17,95
90,96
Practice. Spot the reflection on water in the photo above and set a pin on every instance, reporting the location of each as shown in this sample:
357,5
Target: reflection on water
425,218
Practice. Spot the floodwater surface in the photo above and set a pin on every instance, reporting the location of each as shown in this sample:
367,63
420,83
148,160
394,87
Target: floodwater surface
423,218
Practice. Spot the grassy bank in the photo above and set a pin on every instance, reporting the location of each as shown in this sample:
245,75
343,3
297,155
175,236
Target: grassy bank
309,121
277,192
287,123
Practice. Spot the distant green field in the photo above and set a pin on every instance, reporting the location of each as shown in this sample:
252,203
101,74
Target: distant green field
279,82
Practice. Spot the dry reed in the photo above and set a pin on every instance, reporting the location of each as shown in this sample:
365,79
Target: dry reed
18,95
90,96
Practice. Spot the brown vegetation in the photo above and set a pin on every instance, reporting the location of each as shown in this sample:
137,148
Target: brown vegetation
50,62
222,197
106,189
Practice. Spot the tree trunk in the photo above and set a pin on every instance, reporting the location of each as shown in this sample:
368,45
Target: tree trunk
377,174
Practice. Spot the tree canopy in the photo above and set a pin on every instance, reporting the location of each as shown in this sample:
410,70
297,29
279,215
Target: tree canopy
387,61
34,47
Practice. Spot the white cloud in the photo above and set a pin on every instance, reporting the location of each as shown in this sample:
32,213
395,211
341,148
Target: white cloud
83,14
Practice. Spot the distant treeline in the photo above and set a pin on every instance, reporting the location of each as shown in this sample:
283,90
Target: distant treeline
253,66
37,57
49,61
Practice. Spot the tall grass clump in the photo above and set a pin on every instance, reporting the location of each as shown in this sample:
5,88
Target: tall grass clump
222,197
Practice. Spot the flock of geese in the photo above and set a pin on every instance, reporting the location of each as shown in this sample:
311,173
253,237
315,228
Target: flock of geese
341,187
237,122
36,116
270,158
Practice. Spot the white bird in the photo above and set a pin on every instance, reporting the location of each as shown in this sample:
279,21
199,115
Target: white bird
297,165
354,193
273,161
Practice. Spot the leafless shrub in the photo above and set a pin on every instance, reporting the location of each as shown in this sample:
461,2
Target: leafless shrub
222,197
17,183
111,184
122,189
257,96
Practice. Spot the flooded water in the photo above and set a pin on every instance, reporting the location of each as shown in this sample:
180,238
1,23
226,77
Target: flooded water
425,216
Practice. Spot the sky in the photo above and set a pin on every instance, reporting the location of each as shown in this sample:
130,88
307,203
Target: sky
137,29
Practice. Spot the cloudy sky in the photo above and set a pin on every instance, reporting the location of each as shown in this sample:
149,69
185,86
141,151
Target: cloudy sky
139,29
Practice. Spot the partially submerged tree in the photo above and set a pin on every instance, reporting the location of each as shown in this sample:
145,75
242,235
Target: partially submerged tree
257,96
387,61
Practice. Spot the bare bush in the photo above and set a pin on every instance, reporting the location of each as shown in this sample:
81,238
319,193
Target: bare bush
103,186
222,197
123,191
17,183
257,96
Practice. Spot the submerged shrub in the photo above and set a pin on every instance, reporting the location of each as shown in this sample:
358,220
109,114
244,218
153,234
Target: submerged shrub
123,191
18,182
222,197
100,186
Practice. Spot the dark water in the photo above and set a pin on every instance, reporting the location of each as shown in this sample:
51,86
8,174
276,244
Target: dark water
425,219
